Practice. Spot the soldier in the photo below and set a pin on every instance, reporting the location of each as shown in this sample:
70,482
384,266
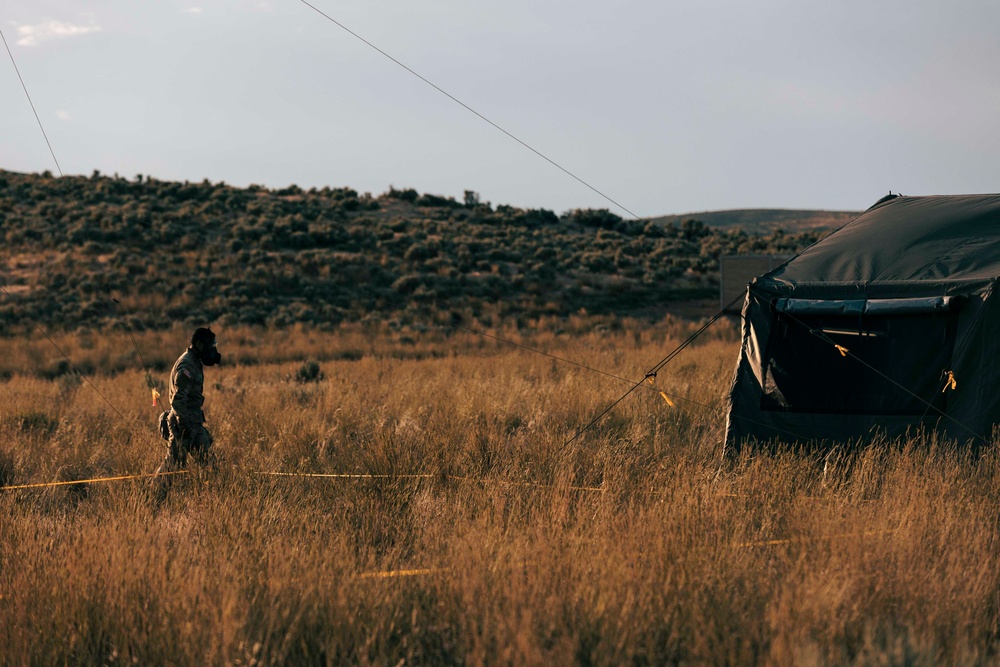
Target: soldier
186,420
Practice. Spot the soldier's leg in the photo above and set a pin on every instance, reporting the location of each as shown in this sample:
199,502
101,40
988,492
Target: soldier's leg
170,464
178,448
201,443
205,439
175,459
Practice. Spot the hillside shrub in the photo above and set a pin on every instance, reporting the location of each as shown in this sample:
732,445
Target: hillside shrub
309,372
180,251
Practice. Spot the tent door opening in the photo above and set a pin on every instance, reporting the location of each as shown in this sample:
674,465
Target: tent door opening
859,357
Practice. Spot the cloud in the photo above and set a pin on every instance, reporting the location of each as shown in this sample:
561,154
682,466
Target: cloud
62,114
33,35
193,10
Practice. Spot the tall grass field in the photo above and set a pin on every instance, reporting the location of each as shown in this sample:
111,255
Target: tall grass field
476,531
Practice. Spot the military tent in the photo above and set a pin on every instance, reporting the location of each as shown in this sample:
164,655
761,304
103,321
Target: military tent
890,323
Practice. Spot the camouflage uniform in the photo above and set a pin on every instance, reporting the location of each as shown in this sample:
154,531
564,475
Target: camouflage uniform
186,420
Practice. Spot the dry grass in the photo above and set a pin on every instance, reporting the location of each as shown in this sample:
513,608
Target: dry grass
885,555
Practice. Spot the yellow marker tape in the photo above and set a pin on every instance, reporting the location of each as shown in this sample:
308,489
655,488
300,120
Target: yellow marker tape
341,475
805,540
667,399
499,482
423,572
393,574
94,480
550,487
843,350
651,379
156,395
950,383
428,476
533,485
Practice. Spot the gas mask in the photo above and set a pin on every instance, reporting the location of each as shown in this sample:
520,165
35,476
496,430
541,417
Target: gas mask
211,356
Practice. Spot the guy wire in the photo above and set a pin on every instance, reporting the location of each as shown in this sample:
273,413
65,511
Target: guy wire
579,365
467,107
111,292
652,372
25,88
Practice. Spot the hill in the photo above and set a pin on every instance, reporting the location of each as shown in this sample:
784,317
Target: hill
762,220
195,252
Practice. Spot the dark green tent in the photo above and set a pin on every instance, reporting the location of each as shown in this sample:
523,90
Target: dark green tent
890,323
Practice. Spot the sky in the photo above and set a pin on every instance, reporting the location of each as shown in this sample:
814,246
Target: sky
665,107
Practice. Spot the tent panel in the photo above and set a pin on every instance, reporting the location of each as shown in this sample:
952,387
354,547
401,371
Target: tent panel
940,238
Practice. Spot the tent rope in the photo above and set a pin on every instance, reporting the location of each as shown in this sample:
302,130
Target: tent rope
653,371
580,365
648,378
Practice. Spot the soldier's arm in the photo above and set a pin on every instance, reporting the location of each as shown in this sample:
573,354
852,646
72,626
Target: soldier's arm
182,403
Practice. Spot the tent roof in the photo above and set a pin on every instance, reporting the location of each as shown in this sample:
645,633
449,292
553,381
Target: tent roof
938,239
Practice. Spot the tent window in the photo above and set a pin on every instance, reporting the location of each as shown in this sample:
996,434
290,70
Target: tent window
889,354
